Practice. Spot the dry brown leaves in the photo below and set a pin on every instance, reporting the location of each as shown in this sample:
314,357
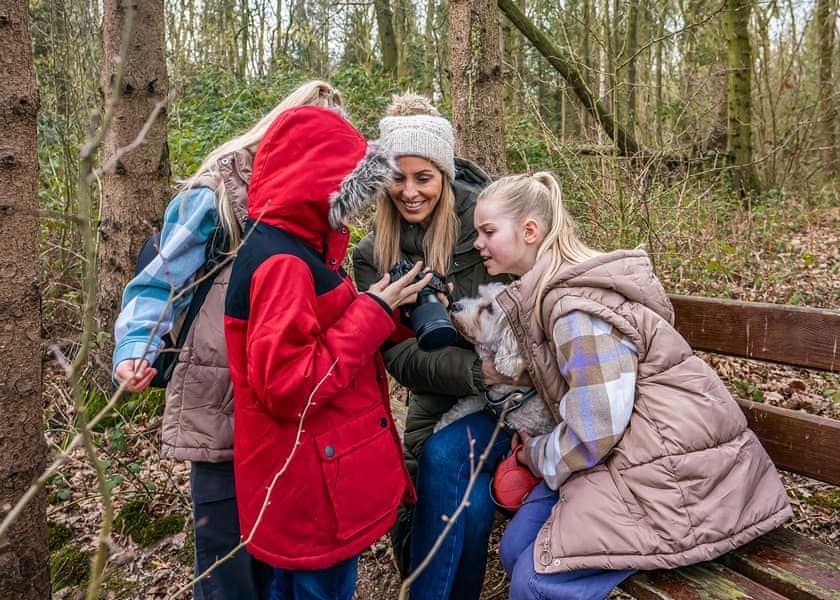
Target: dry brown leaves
797,262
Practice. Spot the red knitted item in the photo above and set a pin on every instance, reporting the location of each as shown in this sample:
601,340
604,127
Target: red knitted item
511,483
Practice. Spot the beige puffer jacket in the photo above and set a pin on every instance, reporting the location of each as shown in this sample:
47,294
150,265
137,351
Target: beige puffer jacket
688,481
198,417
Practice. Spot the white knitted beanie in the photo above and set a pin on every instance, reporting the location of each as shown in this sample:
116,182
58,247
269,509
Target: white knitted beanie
414,127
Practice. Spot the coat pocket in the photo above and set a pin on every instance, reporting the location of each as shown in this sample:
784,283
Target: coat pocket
363,471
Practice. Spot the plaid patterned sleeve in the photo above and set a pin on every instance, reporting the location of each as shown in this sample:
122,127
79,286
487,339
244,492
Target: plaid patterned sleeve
147,312
599,365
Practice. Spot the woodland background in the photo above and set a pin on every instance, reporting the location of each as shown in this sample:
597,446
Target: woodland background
705,130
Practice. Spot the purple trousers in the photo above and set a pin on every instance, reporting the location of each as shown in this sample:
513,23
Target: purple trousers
517,554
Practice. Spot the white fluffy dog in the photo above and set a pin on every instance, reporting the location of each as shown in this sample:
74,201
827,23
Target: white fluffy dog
483,322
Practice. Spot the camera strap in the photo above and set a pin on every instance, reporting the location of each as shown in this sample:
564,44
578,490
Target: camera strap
503,406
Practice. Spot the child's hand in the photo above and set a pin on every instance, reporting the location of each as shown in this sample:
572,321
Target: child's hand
402,291
137,371
523,457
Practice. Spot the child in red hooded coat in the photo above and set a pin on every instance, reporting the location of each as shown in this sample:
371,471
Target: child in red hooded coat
303,347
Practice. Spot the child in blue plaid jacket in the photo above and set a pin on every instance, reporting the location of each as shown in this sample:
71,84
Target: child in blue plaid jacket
213,198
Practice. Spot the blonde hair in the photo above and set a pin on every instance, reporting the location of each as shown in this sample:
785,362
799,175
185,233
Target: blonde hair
539,197
438,240
315,93
425,142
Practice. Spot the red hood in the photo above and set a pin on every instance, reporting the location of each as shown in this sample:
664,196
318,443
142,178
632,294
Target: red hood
302,159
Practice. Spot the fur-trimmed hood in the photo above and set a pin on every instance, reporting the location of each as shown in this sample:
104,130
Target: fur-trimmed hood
311,171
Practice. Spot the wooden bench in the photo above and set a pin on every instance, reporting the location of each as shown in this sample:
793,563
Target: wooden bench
783,563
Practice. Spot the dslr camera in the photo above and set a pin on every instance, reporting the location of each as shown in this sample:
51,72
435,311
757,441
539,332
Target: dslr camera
427,316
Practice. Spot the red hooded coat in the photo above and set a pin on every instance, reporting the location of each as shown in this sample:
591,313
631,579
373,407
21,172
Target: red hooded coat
303,346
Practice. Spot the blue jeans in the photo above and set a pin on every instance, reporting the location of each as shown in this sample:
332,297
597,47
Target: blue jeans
216,522
333,583
517,554
457,569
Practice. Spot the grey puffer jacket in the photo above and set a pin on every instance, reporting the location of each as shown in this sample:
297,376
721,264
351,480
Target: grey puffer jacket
198,416
688,481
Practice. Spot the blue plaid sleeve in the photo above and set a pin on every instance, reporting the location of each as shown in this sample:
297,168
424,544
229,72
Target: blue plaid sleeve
149,309
599,365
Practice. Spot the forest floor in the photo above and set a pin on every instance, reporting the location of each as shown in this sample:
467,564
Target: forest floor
798,262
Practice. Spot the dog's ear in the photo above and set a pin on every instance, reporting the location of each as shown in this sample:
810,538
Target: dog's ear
508,361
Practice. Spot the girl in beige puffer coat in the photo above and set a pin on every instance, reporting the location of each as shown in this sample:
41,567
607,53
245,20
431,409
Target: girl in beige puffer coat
652,464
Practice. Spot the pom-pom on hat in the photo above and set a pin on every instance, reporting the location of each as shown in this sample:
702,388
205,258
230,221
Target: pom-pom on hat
413,127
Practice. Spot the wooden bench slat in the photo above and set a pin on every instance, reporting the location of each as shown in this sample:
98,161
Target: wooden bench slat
704,581
805,337
797,441
791,564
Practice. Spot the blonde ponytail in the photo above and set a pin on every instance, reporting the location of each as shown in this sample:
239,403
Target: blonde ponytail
315,93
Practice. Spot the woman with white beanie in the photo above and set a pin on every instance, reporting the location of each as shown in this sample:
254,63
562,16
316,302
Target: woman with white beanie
428,215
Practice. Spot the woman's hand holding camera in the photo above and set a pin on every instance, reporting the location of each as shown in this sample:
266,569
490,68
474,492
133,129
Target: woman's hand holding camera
403,290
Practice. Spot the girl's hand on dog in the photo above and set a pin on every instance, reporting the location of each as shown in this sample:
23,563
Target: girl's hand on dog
523,457
492,377
402,291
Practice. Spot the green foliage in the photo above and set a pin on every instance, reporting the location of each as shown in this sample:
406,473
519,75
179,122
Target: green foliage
828,499
58,534
136,407
216,106
60,490
751,392
69,566
136,520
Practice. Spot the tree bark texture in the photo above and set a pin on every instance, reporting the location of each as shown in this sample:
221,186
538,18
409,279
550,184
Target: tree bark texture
475,67
739,98
826,17
24,558
136,191
387,37
633,9
569,70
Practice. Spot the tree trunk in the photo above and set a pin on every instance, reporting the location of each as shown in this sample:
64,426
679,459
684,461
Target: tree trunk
826,16
24,558
475,66
136,191
630,50
513,50
659,115
242,37
568,68
739,99
429,50
387,38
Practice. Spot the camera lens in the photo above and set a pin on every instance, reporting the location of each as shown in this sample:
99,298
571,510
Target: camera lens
431,323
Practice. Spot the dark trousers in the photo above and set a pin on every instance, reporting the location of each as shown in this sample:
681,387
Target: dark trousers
216,521
457,569
337,582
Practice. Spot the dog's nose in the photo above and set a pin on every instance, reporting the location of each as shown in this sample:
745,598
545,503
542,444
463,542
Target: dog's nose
456,307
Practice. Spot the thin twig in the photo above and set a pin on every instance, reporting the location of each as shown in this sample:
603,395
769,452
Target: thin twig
267,498
475,471
141,135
